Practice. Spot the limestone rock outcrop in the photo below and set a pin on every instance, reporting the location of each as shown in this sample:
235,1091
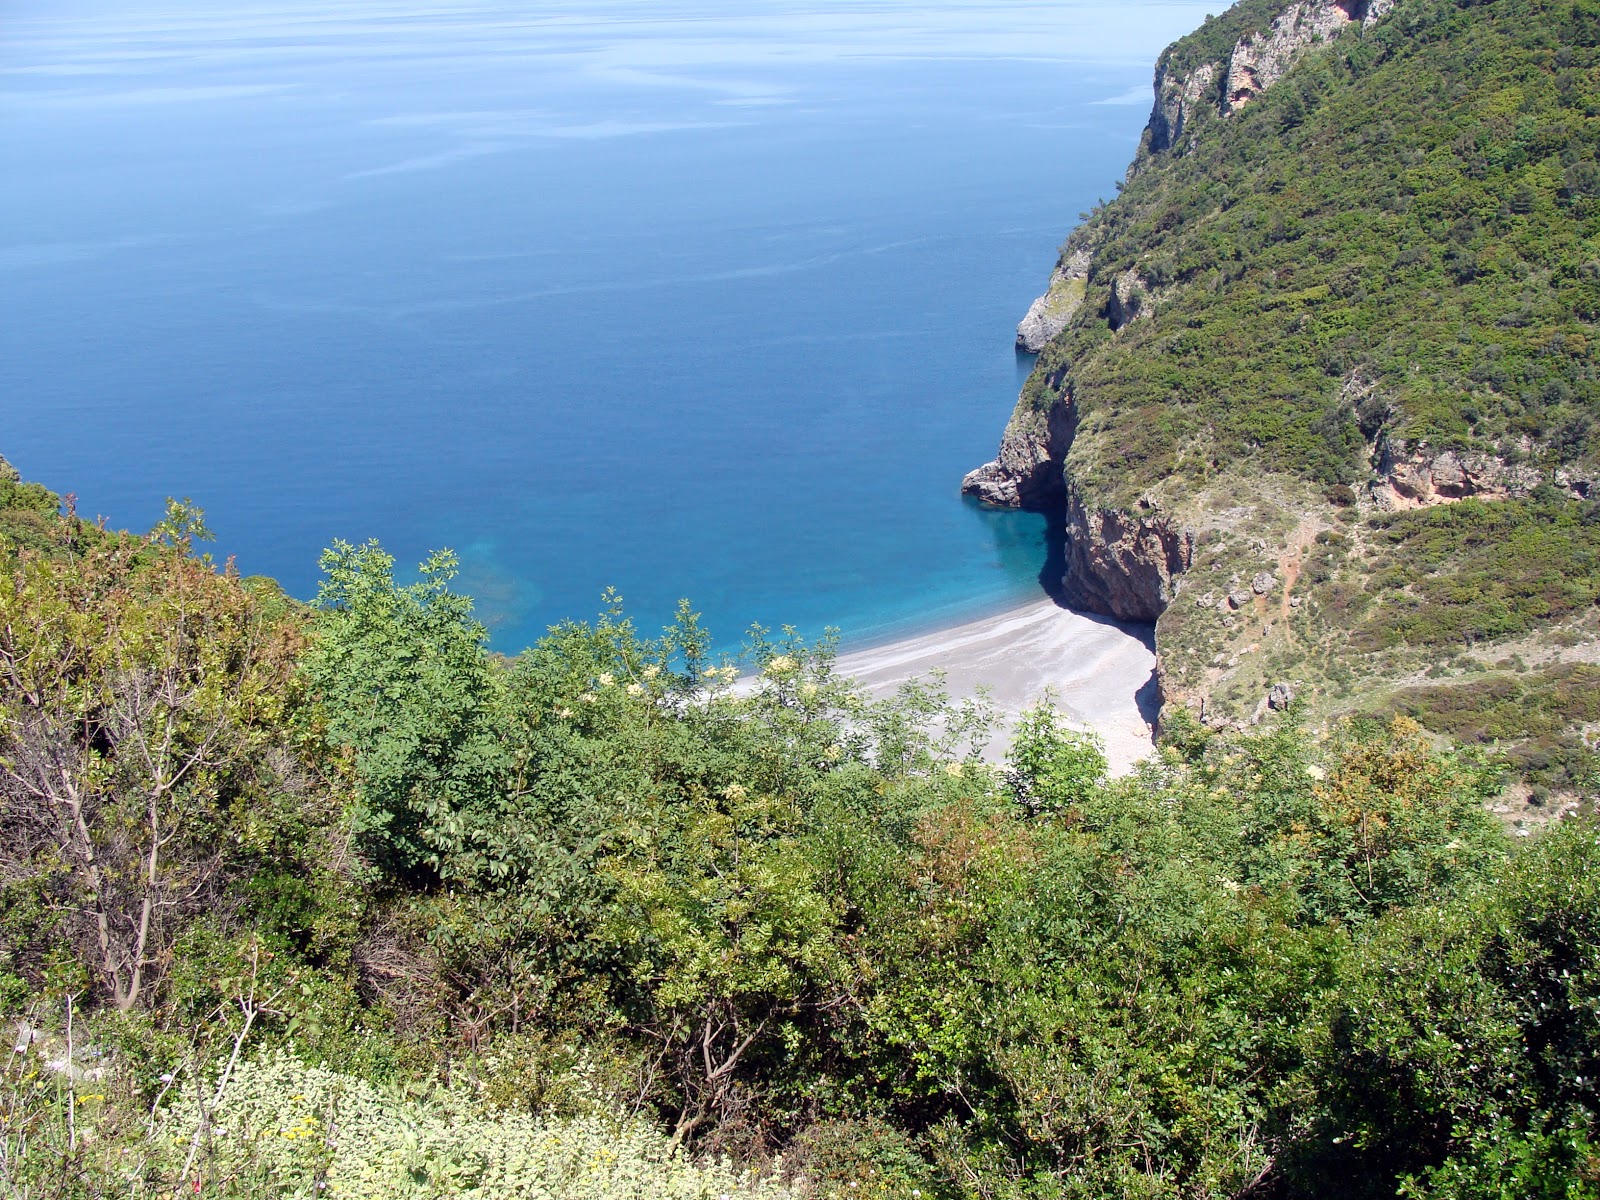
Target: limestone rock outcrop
1178,98
1256,62
1420,476
1027,472
1123,564
1260,61
1049,314
1127,300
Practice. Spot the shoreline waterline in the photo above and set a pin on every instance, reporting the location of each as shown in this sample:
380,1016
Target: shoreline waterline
1101,673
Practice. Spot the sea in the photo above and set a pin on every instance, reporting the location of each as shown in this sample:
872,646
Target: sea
697,300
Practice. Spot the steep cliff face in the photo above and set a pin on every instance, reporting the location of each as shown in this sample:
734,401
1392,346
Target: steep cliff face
1259,61
1027,473
1123,563
1179,97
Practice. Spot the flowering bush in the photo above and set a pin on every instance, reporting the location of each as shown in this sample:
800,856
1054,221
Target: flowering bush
288,1129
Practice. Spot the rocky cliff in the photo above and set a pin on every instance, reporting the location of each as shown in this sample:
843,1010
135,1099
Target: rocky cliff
1343,306
1123,563
1183,93
1027,473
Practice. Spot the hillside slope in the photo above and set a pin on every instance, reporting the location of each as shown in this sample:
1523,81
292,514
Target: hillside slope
1317,391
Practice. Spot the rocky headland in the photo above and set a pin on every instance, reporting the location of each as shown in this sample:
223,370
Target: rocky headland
1244,399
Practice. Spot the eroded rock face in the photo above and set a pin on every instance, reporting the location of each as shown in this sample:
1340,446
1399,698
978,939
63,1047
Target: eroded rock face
1127,301
1423,476
1123,564
1049,314
1178,98
1255,64
1259,62
1027,473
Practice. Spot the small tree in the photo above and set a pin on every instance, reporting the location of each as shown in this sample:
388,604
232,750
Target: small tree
142,709
409,689
1053,769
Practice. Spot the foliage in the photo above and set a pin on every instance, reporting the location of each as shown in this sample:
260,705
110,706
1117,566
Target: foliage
404,680
146,745
611,901
272,1125
1458,1054
1053,770
1476,571
1398,240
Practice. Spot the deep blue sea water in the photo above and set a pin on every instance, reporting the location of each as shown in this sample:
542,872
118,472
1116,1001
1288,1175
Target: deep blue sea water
700,299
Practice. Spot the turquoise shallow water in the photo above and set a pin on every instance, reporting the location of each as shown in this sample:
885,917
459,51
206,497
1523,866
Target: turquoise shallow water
687,299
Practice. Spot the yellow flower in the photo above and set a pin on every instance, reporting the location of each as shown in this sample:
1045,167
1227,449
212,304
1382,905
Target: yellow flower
953,769
781,665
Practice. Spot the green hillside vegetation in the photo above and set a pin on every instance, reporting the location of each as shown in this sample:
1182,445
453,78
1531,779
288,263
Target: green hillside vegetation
331,900
1480,571
1415,209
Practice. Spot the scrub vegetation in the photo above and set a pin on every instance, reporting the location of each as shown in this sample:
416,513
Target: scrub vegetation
1397,239
327,899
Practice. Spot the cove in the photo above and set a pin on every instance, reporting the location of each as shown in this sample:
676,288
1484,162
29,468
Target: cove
689,300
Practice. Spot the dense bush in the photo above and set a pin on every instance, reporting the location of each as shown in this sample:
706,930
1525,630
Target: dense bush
613,886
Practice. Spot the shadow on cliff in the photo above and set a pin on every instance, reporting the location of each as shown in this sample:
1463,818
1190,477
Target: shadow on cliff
1052,580
1053,575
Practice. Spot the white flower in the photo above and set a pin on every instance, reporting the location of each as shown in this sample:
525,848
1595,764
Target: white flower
781,665
636,689
588,697
652,671
953,769
564,713
1316,772
606,679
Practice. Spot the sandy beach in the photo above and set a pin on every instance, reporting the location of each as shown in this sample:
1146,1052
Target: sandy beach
1096,668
